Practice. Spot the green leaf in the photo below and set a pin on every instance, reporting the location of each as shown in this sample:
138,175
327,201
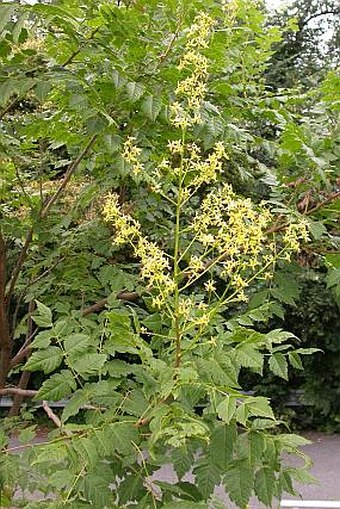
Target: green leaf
317,229
239,482
134,91
59,386
46,360
89,363
42,90
123,437
333,259
307,351
264,485
152,106
259,406
207,476
278,365
286,288
291,440
153,322
256,447
295,360
226,409
333,277
181,461
302,476
43,315
72,407
277,336
43,339
249,357
76,344
131,489
184,505
97,487
222,443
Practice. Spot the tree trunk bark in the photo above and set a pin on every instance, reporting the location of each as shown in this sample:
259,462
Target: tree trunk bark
5,337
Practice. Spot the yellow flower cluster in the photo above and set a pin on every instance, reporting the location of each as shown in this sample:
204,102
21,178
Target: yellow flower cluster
155,266
131,154
192,89
155,269
125,226
233,230
197,171
230,8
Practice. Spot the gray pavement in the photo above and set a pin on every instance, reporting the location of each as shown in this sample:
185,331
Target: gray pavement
325,453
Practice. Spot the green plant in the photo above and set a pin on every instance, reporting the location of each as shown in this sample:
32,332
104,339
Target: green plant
158,382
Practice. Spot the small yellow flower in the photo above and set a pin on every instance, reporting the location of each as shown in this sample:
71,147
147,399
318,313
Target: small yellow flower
210,286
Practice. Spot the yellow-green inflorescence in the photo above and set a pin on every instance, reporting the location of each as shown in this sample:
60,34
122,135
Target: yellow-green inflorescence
191,91
227,237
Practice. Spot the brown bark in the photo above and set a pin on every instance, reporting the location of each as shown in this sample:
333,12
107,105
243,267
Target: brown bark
25,375
19,398
5,338
26,393
98,306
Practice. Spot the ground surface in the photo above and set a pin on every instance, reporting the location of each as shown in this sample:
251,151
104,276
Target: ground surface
325,453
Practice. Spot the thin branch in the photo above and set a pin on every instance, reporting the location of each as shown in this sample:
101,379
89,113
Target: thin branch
317,207
69,60
20,356
18,400
331,197
5,338
303,23
77,51
71,169
31,283
51,415
23,255
25,350
19,264
26,393
164,55
98,306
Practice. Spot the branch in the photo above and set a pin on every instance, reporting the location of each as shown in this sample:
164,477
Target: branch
23,255
305,22
26,393
51,414
20,356
71,169
77,51
5,338
19,264
15,101
331,197
29,284
98,306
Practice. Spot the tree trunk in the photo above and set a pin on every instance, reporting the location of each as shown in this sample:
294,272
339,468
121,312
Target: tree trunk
5,338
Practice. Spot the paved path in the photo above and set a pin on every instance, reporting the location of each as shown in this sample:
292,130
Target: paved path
325,453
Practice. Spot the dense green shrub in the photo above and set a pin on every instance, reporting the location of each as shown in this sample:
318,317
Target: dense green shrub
138,315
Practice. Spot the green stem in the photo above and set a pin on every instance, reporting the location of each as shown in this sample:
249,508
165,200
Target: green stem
177,271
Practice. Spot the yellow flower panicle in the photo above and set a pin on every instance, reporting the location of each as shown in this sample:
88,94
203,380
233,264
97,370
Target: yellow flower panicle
155,267
131,154
126,228
191,91
235,230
